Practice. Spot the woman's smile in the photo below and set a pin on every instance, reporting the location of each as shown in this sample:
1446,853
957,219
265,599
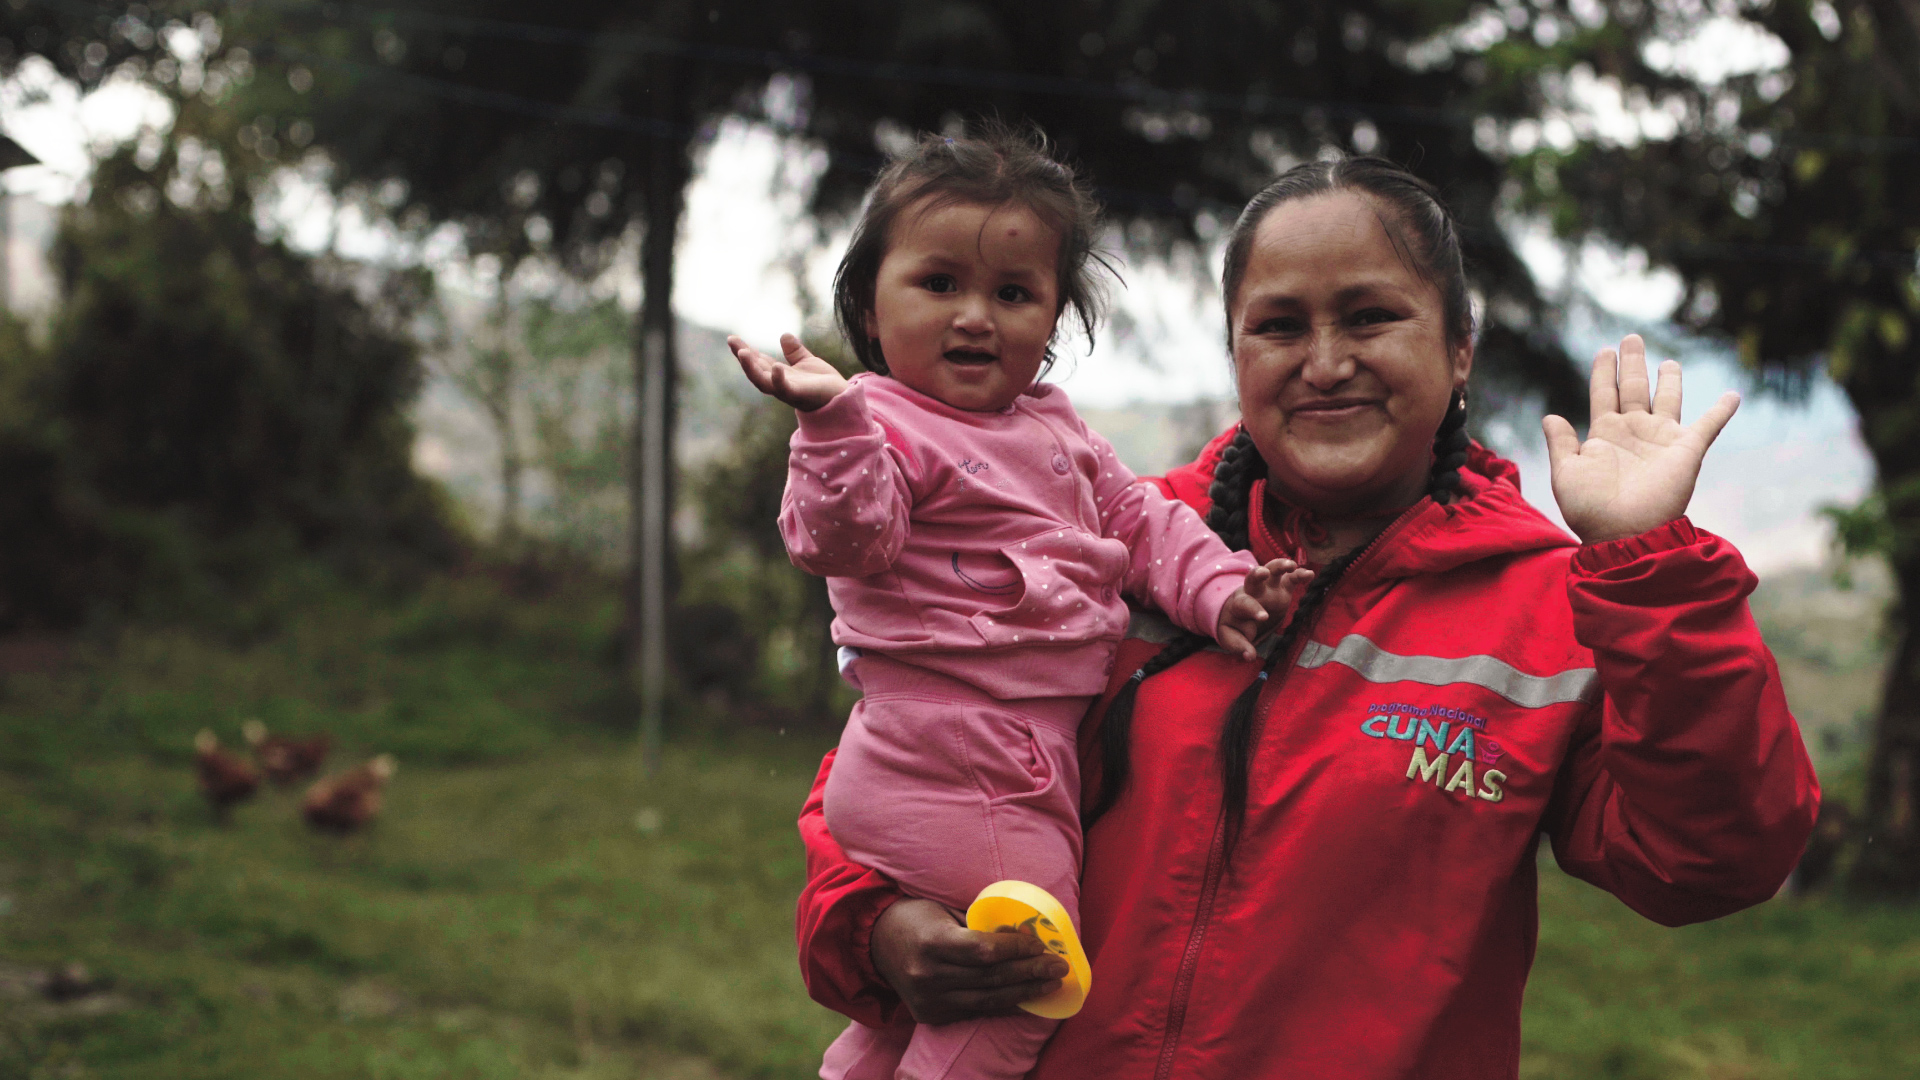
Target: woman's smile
1334,410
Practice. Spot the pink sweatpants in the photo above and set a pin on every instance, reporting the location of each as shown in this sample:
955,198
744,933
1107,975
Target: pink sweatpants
946,791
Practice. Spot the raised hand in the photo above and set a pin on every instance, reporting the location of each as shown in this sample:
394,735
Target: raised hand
1637,469
803,380
1259,605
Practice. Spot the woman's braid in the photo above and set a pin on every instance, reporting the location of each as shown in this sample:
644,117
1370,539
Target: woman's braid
1449,450
1234,472
1239,465
1116,729
1236,732
1231,493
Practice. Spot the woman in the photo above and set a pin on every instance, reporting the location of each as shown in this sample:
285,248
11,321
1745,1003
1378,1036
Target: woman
1322,863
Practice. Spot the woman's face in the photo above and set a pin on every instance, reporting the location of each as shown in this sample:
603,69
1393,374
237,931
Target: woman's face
1340,353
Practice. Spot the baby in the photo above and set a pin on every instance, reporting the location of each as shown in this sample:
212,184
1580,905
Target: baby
977,539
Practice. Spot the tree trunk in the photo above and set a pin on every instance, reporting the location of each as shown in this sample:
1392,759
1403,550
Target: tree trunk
1880,381
818,613
512,469
651,576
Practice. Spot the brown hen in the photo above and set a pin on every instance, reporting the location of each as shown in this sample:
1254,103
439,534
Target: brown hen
286,760
346,802
224,778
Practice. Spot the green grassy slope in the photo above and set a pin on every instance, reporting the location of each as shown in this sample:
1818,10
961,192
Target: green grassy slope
529,905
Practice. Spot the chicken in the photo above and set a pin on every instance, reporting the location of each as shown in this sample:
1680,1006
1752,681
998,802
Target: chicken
286,760
224,778
346,802
72,982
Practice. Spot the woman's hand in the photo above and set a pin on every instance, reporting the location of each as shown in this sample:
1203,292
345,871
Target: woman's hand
1637,468
804,381
946,972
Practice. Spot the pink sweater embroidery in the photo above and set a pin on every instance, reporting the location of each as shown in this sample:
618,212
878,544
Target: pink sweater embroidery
990,547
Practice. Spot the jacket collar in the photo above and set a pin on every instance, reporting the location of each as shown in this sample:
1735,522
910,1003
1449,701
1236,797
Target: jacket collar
1488,518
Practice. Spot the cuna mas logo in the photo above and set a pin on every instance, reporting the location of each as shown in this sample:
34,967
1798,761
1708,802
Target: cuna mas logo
1458,740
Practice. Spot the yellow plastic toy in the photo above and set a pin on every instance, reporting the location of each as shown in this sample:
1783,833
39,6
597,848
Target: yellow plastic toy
1009,907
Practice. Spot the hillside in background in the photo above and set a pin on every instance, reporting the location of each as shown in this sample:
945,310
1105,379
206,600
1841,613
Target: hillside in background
1832,649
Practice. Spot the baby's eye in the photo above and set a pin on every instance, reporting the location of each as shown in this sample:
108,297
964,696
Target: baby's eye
1014,294
941,283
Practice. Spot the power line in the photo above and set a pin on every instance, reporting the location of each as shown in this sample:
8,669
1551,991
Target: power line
1145,201
1193,100
898,71
646,127
649,127
1253,103
466,94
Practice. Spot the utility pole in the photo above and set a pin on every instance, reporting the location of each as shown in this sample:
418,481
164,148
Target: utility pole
651,476
652,541
12,156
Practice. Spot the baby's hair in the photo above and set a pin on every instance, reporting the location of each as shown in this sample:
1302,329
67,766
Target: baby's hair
995,165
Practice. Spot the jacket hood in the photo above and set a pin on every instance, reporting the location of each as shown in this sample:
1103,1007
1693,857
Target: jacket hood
1488,518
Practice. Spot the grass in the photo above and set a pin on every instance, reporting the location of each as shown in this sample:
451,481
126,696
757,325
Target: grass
530,905
1797,987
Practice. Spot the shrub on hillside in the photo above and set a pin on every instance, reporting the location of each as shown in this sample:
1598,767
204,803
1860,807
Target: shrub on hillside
209,403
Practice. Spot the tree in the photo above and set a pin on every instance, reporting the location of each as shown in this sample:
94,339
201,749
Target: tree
550,131
1181,111
207,404
554,131
200,371
1783,200
575,408
486,361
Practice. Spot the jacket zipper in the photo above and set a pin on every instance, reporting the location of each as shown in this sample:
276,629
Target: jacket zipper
1217,852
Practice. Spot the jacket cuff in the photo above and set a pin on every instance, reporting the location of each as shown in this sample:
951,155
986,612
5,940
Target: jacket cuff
1211,597
873,904
1613,554
846,416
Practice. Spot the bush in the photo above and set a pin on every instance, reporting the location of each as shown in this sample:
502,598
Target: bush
209,405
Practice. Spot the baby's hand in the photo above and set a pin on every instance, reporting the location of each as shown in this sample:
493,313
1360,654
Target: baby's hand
1259,605
804,381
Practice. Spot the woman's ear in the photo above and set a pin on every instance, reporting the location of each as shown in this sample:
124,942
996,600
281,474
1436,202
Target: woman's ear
1462,362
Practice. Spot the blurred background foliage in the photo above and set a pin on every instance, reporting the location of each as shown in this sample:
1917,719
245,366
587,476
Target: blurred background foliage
207,405
212,511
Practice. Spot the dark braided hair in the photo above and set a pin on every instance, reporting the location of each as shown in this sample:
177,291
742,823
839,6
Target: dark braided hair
1236,733
1418,208
1449,450
1240,464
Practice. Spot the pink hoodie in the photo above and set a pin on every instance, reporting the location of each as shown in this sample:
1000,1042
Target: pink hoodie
991,547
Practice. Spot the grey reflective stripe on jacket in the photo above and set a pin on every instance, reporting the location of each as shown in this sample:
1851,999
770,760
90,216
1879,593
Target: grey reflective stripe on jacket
1151,626
1377,665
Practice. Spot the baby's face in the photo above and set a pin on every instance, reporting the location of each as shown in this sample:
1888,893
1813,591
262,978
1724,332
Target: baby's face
965,302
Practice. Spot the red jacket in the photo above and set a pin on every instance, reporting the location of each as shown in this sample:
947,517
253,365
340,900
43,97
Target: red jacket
1476,679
